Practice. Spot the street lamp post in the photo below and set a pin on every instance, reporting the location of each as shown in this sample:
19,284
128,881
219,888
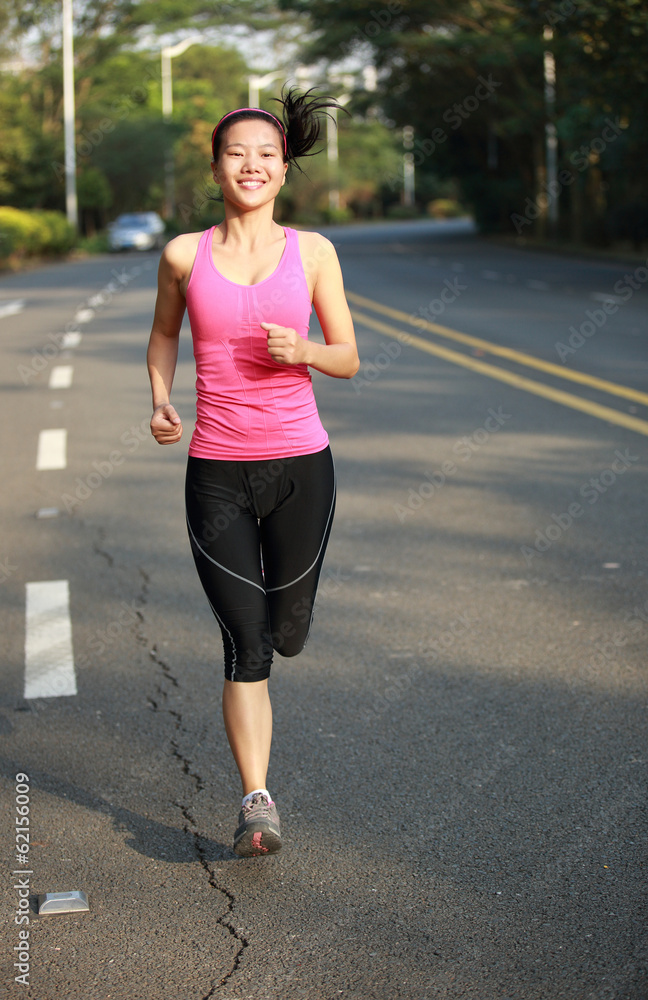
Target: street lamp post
332,157
167,54
71,205
256,85
551,137
408,166
332,153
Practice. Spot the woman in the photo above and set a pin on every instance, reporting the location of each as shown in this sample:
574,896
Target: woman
260,485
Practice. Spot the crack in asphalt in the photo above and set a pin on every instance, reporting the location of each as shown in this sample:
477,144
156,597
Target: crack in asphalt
190,826
101,538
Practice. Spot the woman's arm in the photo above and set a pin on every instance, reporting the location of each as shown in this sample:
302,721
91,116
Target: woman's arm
162,353
339,355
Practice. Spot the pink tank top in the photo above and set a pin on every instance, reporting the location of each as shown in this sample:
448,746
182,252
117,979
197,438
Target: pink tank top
249,406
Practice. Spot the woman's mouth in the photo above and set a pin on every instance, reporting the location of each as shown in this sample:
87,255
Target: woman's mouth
251,185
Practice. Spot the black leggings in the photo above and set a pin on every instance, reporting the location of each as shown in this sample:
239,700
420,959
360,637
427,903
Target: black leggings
258,533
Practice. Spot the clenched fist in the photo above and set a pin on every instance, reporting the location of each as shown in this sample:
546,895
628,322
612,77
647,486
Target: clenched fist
166,426
285,345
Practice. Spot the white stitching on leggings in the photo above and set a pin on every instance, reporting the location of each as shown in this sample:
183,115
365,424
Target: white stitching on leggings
324,536
220,566
231,637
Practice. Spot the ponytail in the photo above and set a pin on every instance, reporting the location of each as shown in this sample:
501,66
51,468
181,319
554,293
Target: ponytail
303,116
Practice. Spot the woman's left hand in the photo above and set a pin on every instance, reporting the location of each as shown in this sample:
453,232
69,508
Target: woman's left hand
285,345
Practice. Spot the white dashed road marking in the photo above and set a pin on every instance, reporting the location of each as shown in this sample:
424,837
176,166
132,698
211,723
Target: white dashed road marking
71,339
84,315
11,308
61,377
52,449
49,660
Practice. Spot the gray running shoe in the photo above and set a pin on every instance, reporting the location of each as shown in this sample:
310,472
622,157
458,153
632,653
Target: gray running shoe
258,830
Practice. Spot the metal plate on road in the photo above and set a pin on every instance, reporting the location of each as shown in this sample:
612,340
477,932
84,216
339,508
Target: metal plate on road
62,902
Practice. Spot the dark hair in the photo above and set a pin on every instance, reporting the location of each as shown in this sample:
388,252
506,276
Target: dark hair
302,116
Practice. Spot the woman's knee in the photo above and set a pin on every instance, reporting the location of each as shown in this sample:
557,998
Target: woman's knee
291,648
289,640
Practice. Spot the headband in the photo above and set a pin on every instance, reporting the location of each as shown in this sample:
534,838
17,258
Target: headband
259,111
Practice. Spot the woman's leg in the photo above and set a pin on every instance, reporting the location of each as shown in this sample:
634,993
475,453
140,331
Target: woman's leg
284,510
294,539
247,713
224,536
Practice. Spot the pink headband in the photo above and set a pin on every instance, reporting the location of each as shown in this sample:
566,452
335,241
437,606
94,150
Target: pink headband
259,111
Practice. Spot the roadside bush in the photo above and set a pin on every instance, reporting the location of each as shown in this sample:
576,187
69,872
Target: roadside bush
18,231
399,211
56,233
30,233
98,243
338,216
445,208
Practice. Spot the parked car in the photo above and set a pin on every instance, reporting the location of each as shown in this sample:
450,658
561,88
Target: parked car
136,231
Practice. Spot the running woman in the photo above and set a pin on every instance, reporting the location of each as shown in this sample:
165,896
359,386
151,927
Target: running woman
260,482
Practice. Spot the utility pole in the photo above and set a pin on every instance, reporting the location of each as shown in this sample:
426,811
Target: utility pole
551,137
408,166
71,204
332,149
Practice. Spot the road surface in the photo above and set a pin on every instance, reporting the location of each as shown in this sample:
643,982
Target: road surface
459,754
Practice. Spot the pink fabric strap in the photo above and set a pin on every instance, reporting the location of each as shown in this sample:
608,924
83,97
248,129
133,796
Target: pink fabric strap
261,112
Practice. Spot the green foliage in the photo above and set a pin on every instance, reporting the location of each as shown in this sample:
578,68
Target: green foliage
398,211
432,56
467,76
208,82
31,143
122,141
27,234
98,243
368,159
57,235
93,189
445,208
18,232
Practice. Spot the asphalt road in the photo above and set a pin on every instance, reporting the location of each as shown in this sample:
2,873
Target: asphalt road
459,755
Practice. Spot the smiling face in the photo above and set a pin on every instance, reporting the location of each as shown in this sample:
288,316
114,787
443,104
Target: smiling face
250,167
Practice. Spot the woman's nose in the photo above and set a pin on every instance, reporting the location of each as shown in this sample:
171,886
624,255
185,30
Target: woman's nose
251,162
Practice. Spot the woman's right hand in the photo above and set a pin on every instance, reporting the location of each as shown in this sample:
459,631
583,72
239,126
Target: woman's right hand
166,426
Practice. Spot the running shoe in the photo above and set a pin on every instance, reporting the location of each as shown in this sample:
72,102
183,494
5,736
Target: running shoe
258,830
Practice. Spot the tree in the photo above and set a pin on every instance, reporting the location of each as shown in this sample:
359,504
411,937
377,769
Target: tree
468,77
120,135
95,198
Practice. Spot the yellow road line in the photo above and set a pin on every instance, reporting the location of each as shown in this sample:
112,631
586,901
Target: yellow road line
502,375
503,352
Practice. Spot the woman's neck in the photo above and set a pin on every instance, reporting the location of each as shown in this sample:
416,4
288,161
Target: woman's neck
248,230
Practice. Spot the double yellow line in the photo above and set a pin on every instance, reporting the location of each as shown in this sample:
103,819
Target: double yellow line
502,374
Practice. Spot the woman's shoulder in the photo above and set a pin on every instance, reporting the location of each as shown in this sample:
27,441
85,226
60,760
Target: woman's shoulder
312,241
319,257
183,244
180,252
315,250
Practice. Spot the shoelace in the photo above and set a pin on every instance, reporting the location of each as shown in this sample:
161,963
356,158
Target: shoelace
256,800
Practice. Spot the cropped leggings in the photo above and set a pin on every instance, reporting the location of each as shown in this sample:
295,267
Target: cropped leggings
258,533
